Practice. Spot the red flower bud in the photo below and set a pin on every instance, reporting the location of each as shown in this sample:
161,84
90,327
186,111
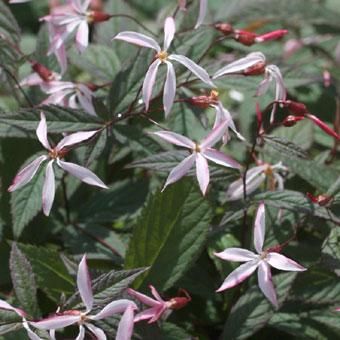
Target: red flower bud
204,101
274,35
98,16
322,125
224,28
255,70
296,108
43,72
291,120
244,37
180,301
321,200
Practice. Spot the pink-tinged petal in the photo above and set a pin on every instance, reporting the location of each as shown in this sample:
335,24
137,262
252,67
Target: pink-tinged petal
99,333
148,314
82,36
263,87
282,262
214,136
322,125
138,39
180,170
125,327
26,174
169,32
75,138
236,255
86,103
264,276
240,65
18,1
197,70
30,333
85,175
81,334
7,306
142,297
84,284
337,309
32,80
239,275
277,34
202,13
202,172
48,189
149,82
169,89
259,228
56,322
156,294
42,132
255,177
159,312
220,158
176,139
118,306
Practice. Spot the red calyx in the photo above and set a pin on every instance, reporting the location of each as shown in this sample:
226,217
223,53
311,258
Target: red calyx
204,101
224,28
255,70
296,108
43,72
180,301
292,120
321,200
98,16
244,37
275,249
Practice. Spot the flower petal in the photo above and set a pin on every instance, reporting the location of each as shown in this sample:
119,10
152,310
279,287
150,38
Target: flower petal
56,322
98,332
282,262
26,174
118,306
197,70
84,284
138,39
214,136
169,32
81,334
169,89
48,188
239,275
176,139
219,157
202,13
142,297
42,132
264,276
85,175
30,333
180,170
125,327
148,313
236,255
149,82
202,172
156,294
7,306
242,64
82,36
75,138
259,228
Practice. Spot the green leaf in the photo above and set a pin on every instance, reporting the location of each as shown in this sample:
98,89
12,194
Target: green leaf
331,250
169,234
12,327
49,270
253,311
23,281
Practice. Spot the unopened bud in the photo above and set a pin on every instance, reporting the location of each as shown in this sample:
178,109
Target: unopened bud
204,101
255,70
274,35
43,72
296,108
244,37
224,28
321,200
292,120
98,16
322,125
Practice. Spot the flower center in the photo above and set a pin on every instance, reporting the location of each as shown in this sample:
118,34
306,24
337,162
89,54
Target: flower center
268,171
54,154
263,255
197,148
162,56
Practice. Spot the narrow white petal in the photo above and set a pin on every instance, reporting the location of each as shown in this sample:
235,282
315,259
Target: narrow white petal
264,276
99,333
169,89
202,13
202,172
240,65
125,327
175,138
86,103
75,138
197,70
220,158
81,334
142,298
26,174
82,36
149,82
280,181
169,32
84,284
7,306
42,132
236,255
85,175
180,170
259,228
138,39
118,306
48,189
282,262
56,322
239,275
214,136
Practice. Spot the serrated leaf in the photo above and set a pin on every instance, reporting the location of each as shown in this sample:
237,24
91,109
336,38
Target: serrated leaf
23,281
253,311
49,270
169,234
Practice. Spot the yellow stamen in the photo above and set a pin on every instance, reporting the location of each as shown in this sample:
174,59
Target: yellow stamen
162,56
